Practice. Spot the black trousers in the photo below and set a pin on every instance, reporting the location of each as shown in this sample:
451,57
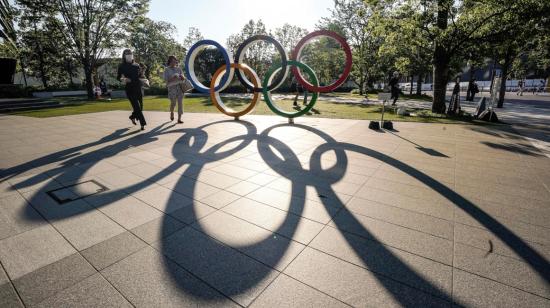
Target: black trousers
136,99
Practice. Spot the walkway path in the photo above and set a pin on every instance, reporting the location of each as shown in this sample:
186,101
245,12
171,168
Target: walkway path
327,213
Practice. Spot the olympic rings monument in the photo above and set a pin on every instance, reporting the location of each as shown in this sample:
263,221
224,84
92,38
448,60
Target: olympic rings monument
272,80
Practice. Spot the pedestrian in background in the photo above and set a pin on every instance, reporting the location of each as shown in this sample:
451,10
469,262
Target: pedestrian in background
454,104
173,75
394,87
520,87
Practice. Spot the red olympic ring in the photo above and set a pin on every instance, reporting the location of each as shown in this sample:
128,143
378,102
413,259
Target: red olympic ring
297,53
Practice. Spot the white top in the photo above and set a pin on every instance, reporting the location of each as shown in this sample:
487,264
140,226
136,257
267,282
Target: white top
171,71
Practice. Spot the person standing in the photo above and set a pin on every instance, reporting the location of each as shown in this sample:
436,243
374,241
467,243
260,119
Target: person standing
129,73
394,87
298,89
520,88
471,92
173,75
104,88
454,104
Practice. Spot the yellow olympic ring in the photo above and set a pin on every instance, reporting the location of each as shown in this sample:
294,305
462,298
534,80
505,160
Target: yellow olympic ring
215,95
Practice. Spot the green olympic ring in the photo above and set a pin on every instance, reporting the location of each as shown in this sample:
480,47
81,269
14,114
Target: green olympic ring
272,72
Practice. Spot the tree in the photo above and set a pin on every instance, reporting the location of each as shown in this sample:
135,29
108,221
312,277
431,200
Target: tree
41,45
260,55
91,28
454,25
360,22
7,30
152,42
406,44
194,35
289,36
8,34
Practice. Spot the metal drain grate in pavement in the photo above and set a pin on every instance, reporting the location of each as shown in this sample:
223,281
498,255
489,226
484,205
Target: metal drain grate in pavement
77,191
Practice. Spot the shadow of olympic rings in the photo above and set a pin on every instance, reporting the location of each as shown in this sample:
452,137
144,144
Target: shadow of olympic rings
190,153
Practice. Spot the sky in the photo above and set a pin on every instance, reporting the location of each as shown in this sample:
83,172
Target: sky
218,19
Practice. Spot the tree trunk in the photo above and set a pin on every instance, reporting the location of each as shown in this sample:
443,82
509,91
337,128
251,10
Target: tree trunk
70,73
440,78
23,70
504,76
411,89
441,61
419,84
88,76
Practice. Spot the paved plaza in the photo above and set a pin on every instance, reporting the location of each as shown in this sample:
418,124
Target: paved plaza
322,213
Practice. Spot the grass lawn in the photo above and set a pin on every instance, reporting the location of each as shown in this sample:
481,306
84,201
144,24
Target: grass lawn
203,104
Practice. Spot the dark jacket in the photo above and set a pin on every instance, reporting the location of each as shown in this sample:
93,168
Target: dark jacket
131,71
394,85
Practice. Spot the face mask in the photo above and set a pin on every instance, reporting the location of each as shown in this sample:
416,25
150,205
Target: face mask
129,58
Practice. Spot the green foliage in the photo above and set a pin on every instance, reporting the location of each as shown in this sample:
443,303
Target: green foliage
7,30
89,29
153,42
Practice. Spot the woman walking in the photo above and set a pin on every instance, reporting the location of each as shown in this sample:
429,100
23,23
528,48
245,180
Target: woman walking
173,75
129,73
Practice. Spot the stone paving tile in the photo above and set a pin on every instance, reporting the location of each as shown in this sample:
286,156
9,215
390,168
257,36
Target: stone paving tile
122,161
288,292
488,241
112,250
435,278
243,188
164,199
234,274
130,212
81,224
524,198
505,270
145,156
3,277
262,245
142,279
299,206
429,207
217,179
525,231
17,216
31,250
419,243
428,224
354,285
6,189
95,168
220,199
125,180
8,296
262,179
537,217
157,229
475,291
34,182
94,291
190,214
275,220
192,188
237,171
53,278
